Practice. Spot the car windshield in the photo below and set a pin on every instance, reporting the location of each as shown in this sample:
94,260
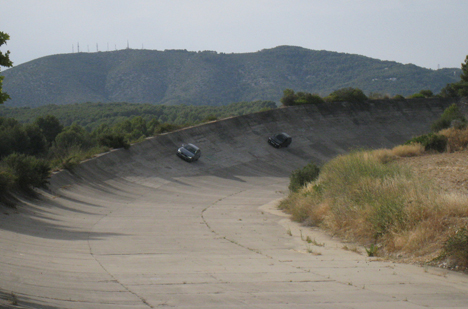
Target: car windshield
190,148
280,137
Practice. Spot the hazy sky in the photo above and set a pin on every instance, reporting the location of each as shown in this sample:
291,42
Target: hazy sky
428,33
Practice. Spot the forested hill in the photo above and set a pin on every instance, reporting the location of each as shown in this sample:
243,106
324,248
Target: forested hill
208,78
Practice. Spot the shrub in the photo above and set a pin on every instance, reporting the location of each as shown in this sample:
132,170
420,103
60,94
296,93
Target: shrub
427,93
457,139
209,118
430,141
113,140
456,247
290,98
308,98
399,97
70,158
378,96
6,181
298,208
347,95
417,96
165,127
440,124
28,171
411,150
300,177
384,155
69,163
437,143
450,114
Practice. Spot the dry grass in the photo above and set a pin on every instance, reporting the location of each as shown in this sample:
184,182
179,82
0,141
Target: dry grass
408,150
457,139
369,197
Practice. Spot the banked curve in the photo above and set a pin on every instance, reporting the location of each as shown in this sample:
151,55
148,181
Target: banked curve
140,228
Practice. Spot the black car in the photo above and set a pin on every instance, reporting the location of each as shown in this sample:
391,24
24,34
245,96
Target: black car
280,140
189,152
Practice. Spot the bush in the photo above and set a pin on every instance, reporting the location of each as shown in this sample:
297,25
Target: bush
440,124
347,95
451,114
6,181
166,127
71,157
308,98
28,171
457,139
430,141
456,247
412,150
436,142
210,117
417,96
427,93
300,177
290,98
113,140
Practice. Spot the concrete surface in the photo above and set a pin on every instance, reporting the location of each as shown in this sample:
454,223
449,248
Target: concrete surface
143,229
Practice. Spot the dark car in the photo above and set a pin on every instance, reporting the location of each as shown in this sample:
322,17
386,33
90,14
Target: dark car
280,140
189,152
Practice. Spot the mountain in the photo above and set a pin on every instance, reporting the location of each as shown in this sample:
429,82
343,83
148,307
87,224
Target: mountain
208,78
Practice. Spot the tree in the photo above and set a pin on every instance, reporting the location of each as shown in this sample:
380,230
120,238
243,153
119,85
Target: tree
427,93
308,98
458,89
464,67
288,97
347,95
37,141
50,127
4,62
74,136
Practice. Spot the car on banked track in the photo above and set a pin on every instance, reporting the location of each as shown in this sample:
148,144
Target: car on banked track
280,140
189,152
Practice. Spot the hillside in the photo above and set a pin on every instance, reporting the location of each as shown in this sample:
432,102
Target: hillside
208,78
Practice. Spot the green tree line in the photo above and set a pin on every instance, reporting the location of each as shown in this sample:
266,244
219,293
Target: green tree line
92,115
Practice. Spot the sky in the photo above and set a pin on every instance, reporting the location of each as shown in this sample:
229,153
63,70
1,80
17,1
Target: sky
428,33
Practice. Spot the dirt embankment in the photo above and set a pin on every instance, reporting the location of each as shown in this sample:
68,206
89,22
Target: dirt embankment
447,170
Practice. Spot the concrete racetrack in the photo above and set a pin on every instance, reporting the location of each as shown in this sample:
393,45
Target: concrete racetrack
140,228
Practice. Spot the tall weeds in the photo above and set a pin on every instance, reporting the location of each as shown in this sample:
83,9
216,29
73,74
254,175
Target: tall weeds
367,196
